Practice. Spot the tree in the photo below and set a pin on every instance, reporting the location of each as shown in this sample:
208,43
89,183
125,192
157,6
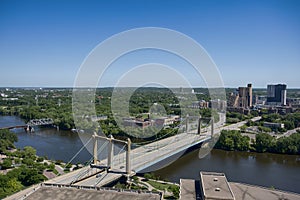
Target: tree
30,176
229,144
289,124
288,145
28,161
14,185
233,140
29,152
40,159
7,140
263,142
6,164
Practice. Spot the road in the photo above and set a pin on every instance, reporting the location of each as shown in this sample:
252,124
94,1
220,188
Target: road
288,133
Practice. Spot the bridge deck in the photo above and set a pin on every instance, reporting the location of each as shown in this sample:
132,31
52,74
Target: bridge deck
145,156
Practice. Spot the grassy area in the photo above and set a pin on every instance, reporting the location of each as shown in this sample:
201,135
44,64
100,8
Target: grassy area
165,186
159,186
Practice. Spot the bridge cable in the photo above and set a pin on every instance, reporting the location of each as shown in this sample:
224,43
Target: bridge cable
79,151
115,156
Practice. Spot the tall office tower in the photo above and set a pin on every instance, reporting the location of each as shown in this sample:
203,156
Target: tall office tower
276,94
249,95
245,96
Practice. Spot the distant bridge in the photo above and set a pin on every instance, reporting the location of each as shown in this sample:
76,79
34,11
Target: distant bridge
32,123
40,122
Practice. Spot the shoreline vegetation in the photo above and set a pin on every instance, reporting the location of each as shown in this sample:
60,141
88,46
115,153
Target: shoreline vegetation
233,140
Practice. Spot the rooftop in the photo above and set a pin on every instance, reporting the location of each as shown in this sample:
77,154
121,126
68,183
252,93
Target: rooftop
64,192
187,189
215,186
249,192
193,190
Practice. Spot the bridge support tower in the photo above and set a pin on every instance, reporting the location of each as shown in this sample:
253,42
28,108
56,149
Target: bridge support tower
212,126
199,126
128,161
110,153
95,151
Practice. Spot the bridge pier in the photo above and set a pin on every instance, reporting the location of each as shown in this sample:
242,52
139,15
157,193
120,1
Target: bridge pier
29,129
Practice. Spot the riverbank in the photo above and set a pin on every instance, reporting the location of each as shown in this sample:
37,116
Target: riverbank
232,140
275,170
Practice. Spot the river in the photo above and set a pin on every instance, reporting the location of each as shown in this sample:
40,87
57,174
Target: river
268,170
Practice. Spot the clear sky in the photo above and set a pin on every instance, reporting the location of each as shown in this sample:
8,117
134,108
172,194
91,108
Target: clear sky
43,43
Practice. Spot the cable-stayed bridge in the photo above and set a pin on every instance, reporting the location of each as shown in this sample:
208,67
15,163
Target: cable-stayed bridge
134,160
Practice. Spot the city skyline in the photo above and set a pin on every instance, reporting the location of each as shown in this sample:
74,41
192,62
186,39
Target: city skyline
43,44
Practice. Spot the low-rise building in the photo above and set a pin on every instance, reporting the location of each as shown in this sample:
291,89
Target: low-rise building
214,186
273,125
166,121
137,123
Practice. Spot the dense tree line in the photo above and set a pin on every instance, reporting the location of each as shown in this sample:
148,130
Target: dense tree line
233,140
25,167
7,140
284,145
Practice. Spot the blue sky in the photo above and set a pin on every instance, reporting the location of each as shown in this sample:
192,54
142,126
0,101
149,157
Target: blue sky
43,43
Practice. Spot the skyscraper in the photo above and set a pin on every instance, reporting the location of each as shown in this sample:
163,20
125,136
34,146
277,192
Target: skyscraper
242,98
276,94
245,96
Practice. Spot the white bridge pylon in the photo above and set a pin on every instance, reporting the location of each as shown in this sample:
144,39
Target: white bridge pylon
110,156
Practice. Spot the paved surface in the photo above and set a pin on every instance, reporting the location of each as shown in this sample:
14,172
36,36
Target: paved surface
250,192
288,133
189,191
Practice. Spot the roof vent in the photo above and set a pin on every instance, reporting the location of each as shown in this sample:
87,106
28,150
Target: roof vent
217,189
215,179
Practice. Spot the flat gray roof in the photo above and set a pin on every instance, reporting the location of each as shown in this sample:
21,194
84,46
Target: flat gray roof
215,186
187,189
45,192
250,192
